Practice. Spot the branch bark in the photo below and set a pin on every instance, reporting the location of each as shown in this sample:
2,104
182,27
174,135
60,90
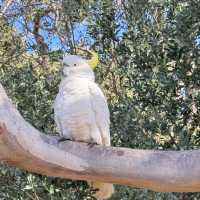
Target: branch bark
43,47
25,147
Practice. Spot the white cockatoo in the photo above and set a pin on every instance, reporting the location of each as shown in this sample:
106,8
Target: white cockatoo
81,110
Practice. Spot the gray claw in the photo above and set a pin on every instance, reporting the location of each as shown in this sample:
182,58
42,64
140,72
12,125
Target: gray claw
92,144
62,139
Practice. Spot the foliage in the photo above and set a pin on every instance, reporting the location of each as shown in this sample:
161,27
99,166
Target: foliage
149,72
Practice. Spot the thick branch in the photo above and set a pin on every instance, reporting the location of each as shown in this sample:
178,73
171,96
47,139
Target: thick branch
23,146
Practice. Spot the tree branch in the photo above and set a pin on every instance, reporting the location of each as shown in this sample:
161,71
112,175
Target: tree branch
25,147
43,47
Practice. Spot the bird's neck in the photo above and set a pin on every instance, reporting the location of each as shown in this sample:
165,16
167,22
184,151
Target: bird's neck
79,75
89,75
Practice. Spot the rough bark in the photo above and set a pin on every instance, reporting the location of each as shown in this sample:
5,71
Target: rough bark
23,146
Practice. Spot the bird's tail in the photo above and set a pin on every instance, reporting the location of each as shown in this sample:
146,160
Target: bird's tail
103,190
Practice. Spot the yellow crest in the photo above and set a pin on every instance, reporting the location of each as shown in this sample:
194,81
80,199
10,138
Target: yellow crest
93,62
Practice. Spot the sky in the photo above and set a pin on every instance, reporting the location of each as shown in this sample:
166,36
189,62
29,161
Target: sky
53,41
80,31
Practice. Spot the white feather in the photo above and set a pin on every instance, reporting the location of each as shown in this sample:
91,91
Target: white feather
81,110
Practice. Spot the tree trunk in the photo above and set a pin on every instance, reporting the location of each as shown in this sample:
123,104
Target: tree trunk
23,146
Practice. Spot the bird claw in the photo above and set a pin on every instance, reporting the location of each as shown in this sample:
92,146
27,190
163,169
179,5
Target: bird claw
94,190
92,144
62,139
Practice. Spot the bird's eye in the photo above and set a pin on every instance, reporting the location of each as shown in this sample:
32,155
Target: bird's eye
74,65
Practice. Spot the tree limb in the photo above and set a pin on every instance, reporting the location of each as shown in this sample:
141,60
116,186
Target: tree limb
43,47
25,147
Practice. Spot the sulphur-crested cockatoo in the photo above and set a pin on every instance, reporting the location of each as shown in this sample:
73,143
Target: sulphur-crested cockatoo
81,110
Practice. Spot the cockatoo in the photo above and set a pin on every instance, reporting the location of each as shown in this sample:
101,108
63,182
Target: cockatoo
81,111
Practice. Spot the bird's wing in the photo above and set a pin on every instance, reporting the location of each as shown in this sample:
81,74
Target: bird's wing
74,115
102,115
56,107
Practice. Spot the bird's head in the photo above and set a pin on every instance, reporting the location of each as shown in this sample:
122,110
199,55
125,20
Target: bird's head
76,65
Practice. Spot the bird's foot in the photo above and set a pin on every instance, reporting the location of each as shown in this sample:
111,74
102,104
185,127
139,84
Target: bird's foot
62,139
92,144
94,190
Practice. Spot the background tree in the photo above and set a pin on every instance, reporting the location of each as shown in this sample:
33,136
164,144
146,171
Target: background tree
149,71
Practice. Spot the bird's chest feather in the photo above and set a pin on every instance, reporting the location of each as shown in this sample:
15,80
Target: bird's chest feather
74,98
